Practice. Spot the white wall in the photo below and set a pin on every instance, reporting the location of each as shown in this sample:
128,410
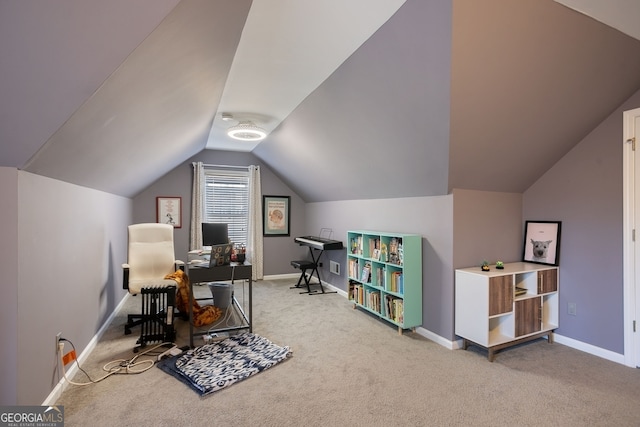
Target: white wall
431,217
71,244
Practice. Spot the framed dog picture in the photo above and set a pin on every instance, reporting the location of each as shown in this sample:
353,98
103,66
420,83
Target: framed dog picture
542,242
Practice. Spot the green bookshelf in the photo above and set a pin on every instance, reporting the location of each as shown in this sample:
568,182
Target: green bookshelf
385,276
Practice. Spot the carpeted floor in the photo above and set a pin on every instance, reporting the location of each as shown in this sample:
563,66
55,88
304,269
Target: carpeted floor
351,369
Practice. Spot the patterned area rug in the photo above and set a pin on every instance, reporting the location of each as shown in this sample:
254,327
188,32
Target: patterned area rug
212,367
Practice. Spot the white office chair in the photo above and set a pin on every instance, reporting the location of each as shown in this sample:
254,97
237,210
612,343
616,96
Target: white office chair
150,259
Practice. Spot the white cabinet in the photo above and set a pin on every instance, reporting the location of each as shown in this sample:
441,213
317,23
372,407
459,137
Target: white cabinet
499,308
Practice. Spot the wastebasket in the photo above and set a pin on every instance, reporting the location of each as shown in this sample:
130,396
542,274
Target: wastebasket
222,294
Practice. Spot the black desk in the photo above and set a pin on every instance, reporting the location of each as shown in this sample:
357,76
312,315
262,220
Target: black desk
198,274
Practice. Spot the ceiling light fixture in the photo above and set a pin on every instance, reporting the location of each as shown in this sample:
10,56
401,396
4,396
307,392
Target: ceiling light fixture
247,131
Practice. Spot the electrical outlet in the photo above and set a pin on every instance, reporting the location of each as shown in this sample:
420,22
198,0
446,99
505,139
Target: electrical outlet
58,336
571,308
334,267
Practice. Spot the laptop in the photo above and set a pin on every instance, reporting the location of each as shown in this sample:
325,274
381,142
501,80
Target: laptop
220,255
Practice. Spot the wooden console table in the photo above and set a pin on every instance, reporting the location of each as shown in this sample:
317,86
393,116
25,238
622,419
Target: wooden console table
235,271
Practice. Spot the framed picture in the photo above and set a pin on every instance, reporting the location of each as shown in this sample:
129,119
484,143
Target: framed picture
275,215
169,211
542,242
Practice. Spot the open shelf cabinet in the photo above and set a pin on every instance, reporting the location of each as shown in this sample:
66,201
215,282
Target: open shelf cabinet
385,276
499,308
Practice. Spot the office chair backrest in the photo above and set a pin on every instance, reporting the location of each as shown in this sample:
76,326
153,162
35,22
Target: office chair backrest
151,253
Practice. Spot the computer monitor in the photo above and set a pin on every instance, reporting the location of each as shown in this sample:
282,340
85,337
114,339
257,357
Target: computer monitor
214,234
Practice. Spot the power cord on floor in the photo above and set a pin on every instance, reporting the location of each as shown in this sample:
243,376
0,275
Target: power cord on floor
119,366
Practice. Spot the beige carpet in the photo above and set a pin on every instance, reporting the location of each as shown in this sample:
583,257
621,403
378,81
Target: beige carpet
351,369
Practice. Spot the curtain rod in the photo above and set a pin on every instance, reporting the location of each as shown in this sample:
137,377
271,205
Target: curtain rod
224,166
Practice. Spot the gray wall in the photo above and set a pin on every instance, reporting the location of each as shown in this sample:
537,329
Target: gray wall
278,251
584,191
430,217
68,243
9,285
487,226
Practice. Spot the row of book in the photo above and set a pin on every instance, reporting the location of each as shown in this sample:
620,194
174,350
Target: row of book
371,298
378,274
357,247
354,267
395,308
377,250
397,282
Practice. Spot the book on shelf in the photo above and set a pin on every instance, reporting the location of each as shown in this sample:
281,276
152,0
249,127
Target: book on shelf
380,276
354,267
374,248
520,291
356,245
366,273
356,293
372,300
394,308
397,282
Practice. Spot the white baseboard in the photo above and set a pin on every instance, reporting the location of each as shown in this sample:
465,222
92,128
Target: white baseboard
63,384
591,349
569,342
281,276
448,344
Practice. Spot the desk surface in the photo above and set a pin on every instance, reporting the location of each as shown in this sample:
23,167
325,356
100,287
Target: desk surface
198,274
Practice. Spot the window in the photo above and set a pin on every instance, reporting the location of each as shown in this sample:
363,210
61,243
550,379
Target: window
227,201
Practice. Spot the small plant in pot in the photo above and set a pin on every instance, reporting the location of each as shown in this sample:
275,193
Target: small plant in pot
485,266
499,265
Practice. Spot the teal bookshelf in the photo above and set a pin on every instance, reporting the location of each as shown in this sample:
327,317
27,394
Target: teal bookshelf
385,276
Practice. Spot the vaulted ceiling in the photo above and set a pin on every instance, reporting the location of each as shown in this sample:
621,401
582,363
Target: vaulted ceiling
363,99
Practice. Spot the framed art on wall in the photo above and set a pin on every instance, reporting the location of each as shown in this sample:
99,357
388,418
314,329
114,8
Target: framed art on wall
169,211
542,242
275,215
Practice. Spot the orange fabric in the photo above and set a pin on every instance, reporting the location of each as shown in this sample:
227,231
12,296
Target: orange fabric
201,315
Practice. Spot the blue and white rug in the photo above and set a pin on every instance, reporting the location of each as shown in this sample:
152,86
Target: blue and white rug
213,367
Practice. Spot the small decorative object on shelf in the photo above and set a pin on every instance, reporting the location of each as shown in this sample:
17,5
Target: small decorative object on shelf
485,266
499,265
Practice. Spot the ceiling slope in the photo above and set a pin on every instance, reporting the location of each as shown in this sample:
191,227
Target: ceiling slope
530,79
287,48
464,94
378,126
55,54
156,109
622,15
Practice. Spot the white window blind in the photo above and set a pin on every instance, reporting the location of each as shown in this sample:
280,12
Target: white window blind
227,201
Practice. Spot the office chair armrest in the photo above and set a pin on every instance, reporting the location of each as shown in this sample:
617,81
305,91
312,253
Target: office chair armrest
179,265
125,276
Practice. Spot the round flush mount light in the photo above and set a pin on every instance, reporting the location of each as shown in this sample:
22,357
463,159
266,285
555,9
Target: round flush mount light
246,131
